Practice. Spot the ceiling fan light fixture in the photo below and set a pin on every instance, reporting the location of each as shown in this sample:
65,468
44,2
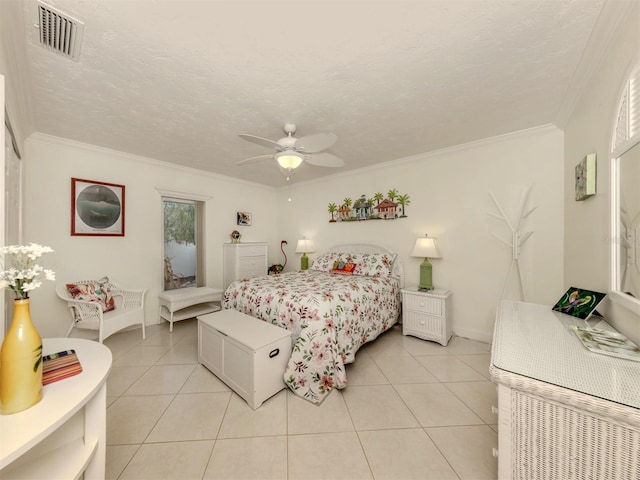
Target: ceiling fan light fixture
289,160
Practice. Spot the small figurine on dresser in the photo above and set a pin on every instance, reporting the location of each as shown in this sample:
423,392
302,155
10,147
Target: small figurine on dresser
235,236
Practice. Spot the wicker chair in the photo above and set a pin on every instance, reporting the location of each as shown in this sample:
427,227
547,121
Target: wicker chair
129,309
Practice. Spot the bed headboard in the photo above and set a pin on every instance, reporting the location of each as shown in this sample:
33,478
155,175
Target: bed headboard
397,270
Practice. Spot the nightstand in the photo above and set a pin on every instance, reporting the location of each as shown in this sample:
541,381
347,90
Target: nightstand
426,314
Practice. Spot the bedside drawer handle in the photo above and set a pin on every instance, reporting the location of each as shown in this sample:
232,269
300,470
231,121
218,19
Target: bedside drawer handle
274,353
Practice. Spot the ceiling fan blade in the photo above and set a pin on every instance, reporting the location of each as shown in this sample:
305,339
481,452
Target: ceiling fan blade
265,142
324,160
316,142
252,160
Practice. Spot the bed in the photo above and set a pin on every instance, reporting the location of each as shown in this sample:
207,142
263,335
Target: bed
348,297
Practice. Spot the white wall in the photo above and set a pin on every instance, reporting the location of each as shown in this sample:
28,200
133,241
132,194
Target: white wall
449,193
136,259
590,130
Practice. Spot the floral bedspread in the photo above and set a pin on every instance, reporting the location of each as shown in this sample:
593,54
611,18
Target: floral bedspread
330,316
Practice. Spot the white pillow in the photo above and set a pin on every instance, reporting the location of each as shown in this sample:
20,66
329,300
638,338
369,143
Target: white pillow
370,264
324,263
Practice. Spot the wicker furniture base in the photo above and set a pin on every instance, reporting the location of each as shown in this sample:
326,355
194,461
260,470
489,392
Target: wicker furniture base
543,438
547,431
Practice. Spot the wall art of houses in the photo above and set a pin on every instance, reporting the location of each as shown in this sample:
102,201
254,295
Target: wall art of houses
376,207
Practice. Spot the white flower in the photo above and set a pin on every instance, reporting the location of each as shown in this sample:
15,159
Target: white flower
22,274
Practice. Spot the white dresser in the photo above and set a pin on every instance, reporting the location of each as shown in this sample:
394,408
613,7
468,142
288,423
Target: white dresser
563,412
64,435
427,314
243,260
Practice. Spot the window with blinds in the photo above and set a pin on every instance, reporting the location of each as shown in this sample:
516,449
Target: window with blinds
628,121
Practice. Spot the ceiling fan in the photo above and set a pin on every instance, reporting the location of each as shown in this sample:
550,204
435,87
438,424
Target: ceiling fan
291,151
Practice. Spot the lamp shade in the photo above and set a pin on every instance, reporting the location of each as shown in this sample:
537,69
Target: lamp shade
425,247
289,160
304,246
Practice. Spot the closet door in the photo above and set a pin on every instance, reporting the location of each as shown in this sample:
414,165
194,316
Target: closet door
10,209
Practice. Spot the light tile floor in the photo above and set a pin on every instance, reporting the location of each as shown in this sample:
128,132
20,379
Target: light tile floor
413,410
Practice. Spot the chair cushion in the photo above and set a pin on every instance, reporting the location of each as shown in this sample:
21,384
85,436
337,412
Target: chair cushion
94,291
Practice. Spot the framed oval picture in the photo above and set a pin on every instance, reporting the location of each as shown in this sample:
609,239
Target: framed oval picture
97,208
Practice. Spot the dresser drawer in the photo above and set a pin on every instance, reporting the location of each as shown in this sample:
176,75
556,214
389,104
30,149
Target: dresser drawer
251,263
250,273
423,326
423,304
252,251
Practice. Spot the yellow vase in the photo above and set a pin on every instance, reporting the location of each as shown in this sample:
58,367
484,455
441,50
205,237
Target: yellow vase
20,362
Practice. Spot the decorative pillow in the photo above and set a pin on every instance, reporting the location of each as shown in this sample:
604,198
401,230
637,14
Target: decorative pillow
343,268
324,263
97,291
371,264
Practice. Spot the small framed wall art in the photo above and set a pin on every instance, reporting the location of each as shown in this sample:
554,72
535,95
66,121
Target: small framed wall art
97,208
244,218
586,177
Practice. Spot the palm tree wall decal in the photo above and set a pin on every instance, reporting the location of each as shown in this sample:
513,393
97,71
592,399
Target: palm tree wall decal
404,201
375,207
332,209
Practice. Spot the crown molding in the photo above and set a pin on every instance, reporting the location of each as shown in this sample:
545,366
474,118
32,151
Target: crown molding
45,138
528,132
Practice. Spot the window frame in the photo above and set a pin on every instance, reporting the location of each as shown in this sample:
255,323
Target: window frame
200,203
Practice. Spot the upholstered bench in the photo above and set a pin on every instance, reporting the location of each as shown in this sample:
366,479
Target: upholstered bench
183,303
246,353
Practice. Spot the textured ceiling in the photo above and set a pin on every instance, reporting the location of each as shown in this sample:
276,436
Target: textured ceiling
179,80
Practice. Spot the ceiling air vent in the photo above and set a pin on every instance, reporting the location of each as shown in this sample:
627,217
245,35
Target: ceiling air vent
58,32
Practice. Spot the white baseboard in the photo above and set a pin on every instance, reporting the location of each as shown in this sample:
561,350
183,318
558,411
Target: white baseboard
473,334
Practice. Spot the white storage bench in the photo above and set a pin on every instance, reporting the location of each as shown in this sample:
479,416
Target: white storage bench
183,303
246,353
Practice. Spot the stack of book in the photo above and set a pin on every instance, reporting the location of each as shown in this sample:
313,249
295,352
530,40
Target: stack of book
58,366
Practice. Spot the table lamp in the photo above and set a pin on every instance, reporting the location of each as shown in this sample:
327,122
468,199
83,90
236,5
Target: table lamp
304,246
425,247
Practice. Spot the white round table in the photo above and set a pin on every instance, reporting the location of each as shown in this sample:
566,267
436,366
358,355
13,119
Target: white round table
64,434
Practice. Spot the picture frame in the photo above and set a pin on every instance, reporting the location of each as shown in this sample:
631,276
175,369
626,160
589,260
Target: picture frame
586,177
97,208
579,303
243,218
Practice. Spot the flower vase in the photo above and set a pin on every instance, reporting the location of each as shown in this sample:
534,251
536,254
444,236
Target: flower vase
20,362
